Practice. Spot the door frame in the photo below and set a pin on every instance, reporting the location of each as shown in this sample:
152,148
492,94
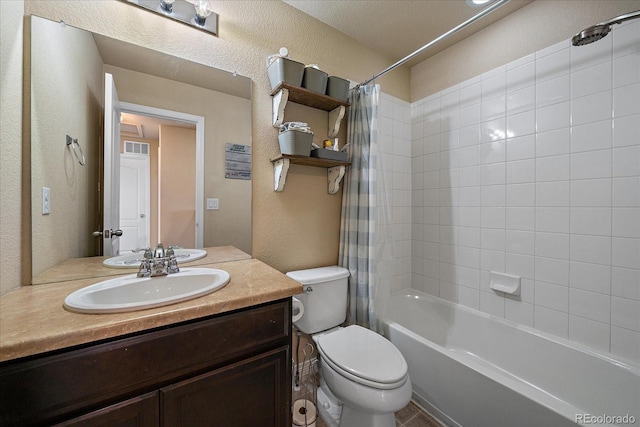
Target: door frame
127,107
111,170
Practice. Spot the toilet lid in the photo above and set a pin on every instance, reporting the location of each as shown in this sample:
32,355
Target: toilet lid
363,354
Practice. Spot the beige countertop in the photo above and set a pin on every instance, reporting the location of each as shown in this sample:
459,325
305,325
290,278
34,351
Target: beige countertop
33,320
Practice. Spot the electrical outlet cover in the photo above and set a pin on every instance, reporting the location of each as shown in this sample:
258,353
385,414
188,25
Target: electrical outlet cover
213,204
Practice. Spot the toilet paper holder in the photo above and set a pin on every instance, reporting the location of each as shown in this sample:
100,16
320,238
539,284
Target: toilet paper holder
304,409
304,413
297,309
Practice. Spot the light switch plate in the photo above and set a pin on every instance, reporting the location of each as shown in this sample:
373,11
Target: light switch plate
213,204
46,200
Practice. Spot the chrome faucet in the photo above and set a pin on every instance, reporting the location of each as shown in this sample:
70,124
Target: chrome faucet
158,252
158,262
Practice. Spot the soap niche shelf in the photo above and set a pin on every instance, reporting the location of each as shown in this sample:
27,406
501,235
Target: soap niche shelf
285,93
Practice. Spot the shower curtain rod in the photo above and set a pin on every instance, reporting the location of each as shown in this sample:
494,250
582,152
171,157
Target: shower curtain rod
454,30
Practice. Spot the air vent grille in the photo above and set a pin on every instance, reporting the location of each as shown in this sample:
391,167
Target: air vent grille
136,147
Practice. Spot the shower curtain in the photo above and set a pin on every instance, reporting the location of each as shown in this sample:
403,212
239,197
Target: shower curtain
363,241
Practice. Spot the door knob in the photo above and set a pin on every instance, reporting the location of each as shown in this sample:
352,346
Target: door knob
107,233
142,215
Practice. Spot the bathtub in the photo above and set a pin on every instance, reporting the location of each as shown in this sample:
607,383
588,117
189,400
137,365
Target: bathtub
476,370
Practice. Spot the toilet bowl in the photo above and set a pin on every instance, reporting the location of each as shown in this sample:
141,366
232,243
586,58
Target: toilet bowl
366,373
358,367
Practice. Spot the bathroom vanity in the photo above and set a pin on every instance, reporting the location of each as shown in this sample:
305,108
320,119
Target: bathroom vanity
221,359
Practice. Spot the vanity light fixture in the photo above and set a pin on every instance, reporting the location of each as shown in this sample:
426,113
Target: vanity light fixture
477,3
195,13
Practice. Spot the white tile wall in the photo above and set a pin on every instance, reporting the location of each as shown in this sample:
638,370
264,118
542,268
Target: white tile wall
395,129
534,169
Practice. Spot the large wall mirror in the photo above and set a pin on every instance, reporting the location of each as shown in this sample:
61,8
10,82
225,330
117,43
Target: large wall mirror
178,121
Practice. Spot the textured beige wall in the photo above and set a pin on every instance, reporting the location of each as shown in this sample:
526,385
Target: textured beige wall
11,243
298,228
177,156
527,30
66,97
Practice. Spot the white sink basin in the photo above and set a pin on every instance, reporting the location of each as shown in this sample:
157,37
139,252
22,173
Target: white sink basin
130,293
132,260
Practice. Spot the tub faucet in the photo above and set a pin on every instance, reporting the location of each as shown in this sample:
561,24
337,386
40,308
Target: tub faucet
158,262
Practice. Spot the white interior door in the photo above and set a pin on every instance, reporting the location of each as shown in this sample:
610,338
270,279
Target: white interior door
134,202
111,221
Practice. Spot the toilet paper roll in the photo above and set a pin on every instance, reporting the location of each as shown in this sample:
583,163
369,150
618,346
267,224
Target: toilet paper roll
297,310
302,407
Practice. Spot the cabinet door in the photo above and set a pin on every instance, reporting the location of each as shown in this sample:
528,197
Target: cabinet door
142,411
253,392
47,389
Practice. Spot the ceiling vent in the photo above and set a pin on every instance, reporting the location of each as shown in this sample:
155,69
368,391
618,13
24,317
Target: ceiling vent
132,129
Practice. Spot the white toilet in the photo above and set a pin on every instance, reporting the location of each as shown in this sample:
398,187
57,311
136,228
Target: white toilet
363,370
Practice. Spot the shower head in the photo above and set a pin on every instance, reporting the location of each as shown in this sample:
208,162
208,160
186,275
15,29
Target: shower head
590,35
598,31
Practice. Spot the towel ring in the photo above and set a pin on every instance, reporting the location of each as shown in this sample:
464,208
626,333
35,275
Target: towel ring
77,150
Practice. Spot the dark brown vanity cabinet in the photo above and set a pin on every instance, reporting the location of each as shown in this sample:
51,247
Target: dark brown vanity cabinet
141,411
231,370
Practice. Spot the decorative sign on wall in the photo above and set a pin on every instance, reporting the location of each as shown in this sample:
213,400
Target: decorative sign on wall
237,162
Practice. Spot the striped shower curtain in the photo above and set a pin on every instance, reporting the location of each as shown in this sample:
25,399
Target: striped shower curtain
359,207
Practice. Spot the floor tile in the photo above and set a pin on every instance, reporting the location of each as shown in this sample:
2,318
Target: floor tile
407,412
421,420
409,416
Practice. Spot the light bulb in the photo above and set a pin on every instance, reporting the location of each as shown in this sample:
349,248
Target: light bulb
203,9
477,3
167,5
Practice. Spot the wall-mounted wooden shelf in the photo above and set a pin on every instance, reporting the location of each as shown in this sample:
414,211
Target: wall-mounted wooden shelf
312,161
286,92
335,170
336,107
307,97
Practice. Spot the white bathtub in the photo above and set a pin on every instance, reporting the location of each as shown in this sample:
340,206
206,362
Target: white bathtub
476,370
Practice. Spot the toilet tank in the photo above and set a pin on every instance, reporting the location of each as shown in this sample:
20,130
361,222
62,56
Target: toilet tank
324,298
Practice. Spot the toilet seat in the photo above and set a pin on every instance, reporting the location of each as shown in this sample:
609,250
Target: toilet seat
363,356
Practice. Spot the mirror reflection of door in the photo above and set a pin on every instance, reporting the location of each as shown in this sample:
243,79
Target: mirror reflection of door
160,208
134,197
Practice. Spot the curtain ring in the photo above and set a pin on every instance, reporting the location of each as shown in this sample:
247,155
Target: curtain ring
77,150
